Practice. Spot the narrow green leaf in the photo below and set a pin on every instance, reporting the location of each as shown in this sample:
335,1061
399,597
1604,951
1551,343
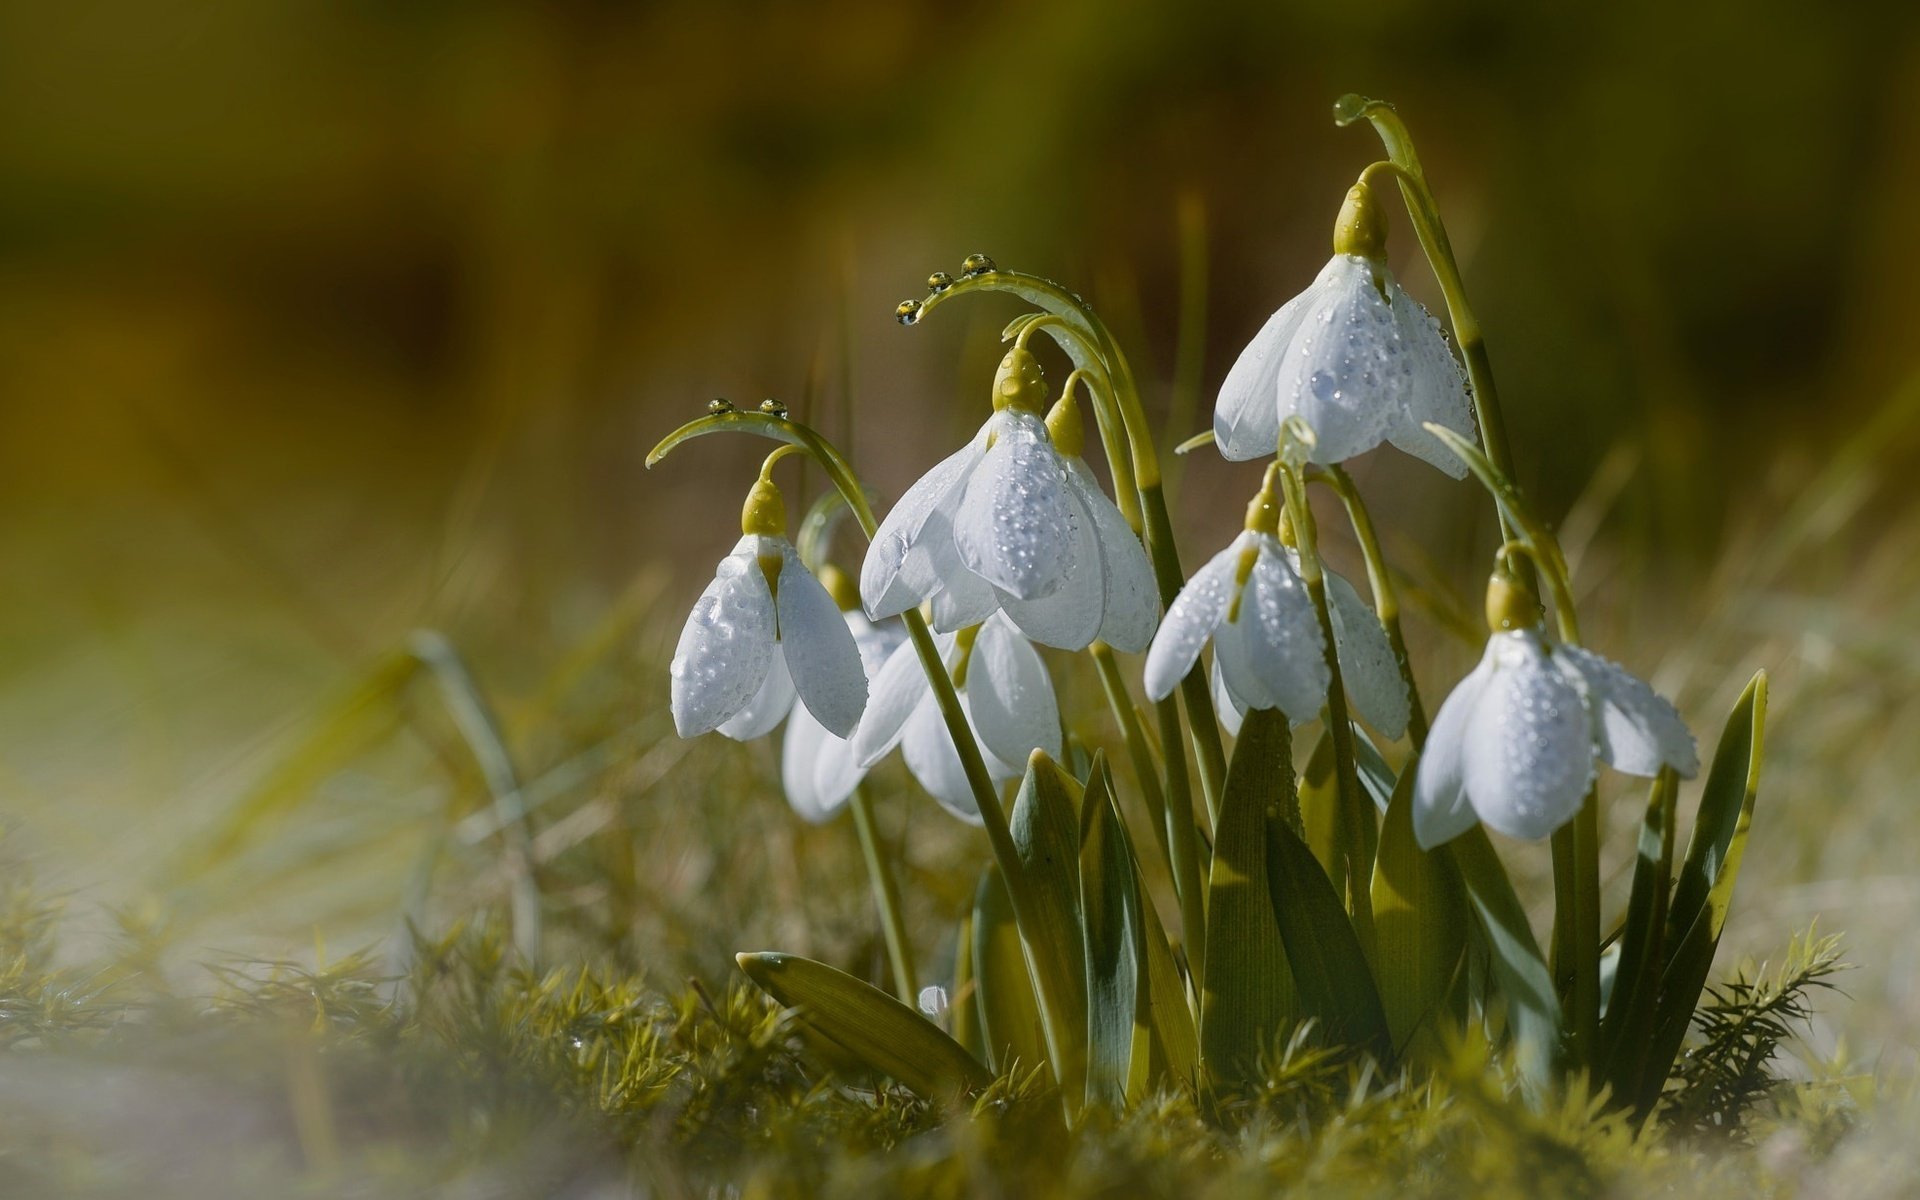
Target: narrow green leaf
1046,836
1320,823
1176,1047
1420,924
1010,1026
964,1004
869,1025
1533,1011
1636,977
1329,968
1248,993
1117,1022
1704,892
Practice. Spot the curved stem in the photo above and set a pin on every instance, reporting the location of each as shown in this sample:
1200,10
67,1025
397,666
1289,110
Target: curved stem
1339,728
886,895
1386,603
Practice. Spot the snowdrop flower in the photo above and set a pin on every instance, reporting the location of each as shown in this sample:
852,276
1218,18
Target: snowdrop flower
1004,691
1268,650
763,631
1368,667
1015,521
817,767
1354,356
1515,744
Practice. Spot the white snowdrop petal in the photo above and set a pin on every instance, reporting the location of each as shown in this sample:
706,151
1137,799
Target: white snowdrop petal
897,689
1273,647
725,647
769,706
1635,730
1246,416
1015,525
1190,621
966,599
1367,664
1132,601
835,774
1346,371
928,749
1441,811
877,640
819,648
898,571
799,766
1529,746
1437,391
1010,696
1068,618
1225,706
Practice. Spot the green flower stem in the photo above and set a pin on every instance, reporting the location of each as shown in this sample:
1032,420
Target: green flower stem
1049,986
1359,872
886,894
1386,603
1182,854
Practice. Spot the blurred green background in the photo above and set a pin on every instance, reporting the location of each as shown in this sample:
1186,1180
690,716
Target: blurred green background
323,322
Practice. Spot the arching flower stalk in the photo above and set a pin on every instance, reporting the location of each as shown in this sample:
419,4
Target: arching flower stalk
1354,356
1015,522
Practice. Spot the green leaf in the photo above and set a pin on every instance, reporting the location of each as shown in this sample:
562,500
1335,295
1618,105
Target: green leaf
1329,968
868,1025
1320,821
1176,1047
1533,1010
1248,994
1010,1026
964,1003
1420,923
1118,1030
1704,892
1046,836
1636,978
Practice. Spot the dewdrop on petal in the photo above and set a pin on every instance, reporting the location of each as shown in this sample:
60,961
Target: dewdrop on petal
1516,743
1354,356
764,631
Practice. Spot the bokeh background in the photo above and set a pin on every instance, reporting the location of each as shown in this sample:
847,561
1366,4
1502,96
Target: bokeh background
321,323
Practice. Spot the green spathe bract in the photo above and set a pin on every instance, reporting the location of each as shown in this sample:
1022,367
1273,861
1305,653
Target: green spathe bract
1309,919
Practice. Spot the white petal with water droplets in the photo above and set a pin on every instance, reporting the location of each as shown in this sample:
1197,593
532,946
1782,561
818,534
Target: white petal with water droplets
1367,664
1635,730
899,570
1437,390
1015,525
819,648
726,645
1346,371
1441,811
1010,695
897,689
1131,609
1246,417
1191,619
1069,618
769,706
1272,650
1529,747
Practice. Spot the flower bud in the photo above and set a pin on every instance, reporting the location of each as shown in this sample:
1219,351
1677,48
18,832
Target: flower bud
1065,428
1361,228
1019,383
765,512
1512,604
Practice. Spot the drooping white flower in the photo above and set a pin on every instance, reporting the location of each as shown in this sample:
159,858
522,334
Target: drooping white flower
1003,689
1267,647
817,767
1355,357
1013,522
1368,667
764,630
1514,746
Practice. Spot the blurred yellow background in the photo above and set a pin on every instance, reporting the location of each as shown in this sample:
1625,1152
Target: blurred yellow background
321,322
